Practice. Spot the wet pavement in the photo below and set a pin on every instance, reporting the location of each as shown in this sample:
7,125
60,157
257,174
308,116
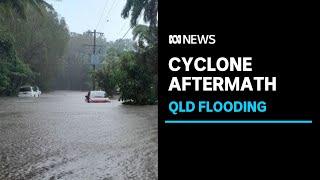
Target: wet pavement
59,136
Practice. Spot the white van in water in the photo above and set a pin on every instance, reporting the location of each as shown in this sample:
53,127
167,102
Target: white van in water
97,97
27,91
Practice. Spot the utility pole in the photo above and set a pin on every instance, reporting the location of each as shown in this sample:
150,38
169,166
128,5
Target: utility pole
94,54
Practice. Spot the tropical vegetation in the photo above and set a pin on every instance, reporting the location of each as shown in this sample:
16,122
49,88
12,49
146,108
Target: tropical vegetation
36,47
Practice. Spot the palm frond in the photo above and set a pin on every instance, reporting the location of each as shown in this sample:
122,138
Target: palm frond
20,6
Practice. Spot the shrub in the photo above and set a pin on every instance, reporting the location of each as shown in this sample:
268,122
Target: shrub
13,72
136,80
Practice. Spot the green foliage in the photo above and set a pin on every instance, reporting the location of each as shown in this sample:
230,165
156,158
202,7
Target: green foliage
133,71
107,78
39,42
147,37
136,80
74,73
6,54
135,8
19,6
43,51
139,70
108,75
13,72
129,70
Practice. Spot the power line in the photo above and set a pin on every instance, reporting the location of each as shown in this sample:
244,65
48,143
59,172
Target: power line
127,30
114,2
111,8
113,5
126,33
123,25
94,54
102,13
94,39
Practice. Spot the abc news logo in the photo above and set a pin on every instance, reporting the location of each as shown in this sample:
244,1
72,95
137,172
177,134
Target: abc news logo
192,39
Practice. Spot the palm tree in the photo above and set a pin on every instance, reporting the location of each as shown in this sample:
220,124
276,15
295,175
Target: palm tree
145,34
147,46
19,6
136,7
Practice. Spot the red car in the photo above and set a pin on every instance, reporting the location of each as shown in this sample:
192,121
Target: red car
97,97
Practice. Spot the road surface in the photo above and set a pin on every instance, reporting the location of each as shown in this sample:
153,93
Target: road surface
59,136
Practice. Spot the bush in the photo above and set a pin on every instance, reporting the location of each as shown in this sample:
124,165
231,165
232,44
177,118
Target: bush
13,72
136,80
107,78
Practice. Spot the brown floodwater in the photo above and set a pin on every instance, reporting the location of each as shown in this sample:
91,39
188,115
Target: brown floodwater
60,136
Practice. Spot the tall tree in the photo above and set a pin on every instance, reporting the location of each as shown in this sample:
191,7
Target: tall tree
39,43
145,35
139,69
20,6
135,9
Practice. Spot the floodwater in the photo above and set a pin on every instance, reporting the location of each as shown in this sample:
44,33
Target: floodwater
59,136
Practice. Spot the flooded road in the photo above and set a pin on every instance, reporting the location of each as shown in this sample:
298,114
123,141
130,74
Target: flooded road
59,136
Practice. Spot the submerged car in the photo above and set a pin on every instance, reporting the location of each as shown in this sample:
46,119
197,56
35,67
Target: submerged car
97,97
27,91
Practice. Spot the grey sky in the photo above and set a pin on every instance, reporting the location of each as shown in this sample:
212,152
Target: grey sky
83,15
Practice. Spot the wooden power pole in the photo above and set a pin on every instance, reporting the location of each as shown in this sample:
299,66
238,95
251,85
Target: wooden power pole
94,54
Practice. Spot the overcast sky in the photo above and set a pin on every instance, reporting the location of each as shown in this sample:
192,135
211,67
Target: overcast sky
83,15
